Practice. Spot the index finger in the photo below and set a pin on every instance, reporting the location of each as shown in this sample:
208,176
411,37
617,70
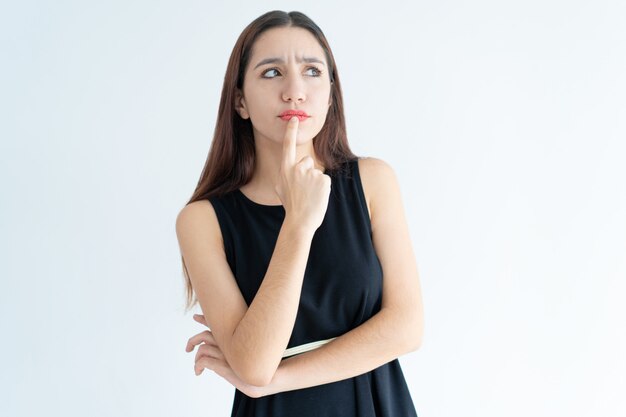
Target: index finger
289,142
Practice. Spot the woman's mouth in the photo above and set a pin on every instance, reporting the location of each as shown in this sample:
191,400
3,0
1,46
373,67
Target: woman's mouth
288,114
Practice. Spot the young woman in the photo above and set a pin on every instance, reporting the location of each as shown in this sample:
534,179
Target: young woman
298,251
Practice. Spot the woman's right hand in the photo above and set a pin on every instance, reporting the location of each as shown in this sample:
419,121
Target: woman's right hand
302,188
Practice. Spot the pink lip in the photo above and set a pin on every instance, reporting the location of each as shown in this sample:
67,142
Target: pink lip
288,114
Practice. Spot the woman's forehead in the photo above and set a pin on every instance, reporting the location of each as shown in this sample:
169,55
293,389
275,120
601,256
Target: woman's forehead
286,43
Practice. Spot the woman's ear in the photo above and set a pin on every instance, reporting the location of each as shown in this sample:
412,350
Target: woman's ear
240,105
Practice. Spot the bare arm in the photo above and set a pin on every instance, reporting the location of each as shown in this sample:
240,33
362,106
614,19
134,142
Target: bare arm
252,338
381,339
262,336
395,330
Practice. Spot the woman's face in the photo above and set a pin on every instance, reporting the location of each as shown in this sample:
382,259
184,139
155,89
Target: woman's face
296,79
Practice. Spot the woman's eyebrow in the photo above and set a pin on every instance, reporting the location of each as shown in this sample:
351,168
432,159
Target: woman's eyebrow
282,61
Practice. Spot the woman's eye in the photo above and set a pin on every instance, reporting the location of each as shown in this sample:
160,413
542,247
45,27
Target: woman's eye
317,72
271,69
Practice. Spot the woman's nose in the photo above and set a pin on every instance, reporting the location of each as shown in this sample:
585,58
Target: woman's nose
294,90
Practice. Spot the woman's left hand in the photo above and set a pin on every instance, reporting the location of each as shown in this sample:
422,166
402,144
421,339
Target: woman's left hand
211,357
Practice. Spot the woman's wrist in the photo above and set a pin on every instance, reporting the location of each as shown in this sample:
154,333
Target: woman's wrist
297,229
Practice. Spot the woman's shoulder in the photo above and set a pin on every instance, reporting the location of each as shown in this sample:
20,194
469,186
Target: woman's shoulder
198,217
377,178
371,163
196,208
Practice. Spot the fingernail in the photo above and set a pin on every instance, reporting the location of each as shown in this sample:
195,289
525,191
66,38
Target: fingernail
293,118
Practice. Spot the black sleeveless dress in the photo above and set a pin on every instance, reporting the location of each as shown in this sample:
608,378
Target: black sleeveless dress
342,289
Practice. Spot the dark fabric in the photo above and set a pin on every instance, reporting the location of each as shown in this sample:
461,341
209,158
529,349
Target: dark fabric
342,289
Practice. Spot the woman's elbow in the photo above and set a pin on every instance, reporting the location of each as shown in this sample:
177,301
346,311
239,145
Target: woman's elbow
416,333
417,343
256,379
255,375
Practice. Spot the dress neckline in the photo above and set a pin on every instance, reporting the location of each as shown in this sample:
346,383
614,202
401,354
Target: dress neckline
254,203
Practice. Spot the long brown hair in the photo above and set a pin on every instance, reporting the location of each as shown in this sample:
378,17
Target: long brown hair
231,159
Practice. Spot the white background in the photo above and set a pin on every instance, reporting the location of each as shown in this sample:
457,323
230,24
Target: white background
504,121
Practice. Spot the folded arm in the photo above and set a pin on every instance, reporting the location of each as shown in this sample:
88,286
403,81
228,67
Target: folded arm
397,328
381,339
